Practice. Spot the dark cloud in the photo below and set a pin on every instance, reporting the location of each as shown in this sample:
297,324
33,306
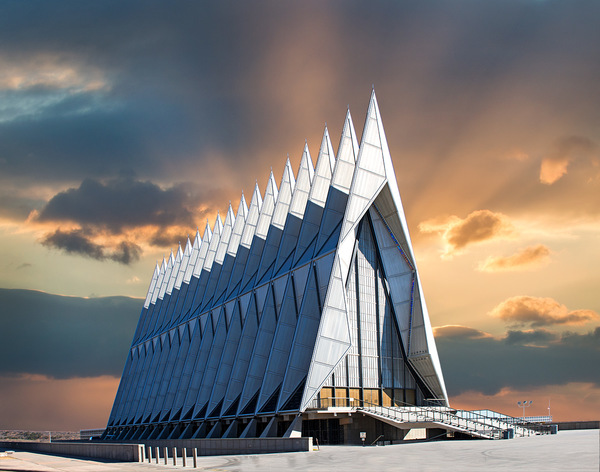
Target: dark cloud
65,337
533,337
80,242
180,83
121,203
74,242
487,364
126,252
536,312
166,237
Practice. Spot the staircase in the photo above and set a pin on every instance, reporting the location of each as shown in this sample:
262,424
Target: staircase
470,423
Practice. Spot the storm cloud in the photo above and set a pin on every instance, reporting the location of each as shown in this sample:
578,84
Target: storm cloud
79,242
519,360
64,337
120,203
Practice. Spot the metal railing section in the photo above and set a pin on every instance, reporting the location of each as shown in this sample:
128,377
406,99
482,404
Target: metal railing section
470,422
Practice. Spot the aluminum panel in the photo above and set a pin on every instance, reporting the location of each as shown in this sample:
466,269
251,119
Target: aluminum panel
185,261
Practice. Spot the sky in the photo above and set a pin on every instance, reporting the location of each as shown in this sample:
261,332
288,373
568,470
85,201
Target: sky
125,125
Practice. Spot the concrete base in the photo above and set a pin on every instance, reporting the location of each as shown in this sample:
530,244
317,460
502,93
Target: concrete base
108,451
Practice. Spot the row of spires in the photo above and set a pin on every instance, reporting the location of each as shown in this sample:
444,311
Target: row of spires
255,220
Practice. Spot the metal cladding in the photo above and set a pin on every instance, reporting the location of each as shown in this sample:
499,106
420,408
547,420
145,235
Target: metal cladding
311,290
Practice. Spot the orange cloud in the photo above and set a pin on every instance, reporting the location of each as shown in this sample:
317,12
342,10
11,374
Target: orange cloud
527,258
478,226
536,311
40,403
458,331
567,149
558,397
552,169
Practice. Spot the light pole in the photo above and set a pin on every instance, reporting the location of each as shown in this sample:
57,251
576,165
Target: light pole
523,405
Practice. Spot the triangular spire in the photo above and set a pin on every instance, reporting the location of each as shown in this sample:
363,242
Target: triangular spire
323,171
167,278
206,240
194,255
370,174
242,208
214,243
152,285
296,211
175,270
303,184
346,156
286,190
185,263
224,241
266,212
252,218
161,276
218,226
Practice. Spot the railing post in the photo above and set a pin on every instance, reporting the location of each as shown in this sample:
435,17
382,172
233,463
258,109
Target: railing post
166,455
149,454
157,450
184,456
174,456
195,458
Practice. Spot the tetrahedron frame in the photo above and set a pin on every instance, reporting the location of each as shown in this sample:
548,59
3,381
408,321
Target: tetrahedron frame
311,293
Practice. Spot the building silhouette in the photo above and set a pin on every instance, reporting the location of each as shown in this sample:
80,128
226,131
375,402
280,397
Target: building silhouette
306,300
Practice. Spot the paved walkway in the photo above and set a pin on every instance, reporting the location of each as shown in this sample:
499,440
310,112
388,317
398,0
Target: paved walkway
568,450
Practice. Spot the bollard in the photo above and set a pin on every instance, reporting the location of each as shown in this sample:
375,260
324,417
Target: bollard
184,456
166,455
149,454
157,450
174,456
195,458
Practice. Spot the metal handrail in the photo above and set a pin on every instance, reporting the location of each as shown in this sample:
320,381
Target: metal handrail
474,422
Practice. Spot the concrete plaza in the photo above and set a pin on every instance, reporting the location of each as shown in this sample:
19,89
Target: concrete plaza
568,450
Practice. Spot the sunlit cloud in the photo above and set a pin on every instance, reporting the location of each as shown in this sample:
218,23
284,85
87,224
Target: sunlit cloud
118,219
535,312
32,85
529,258
479,226
78,242
552,169
459,331
567,149
49,71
